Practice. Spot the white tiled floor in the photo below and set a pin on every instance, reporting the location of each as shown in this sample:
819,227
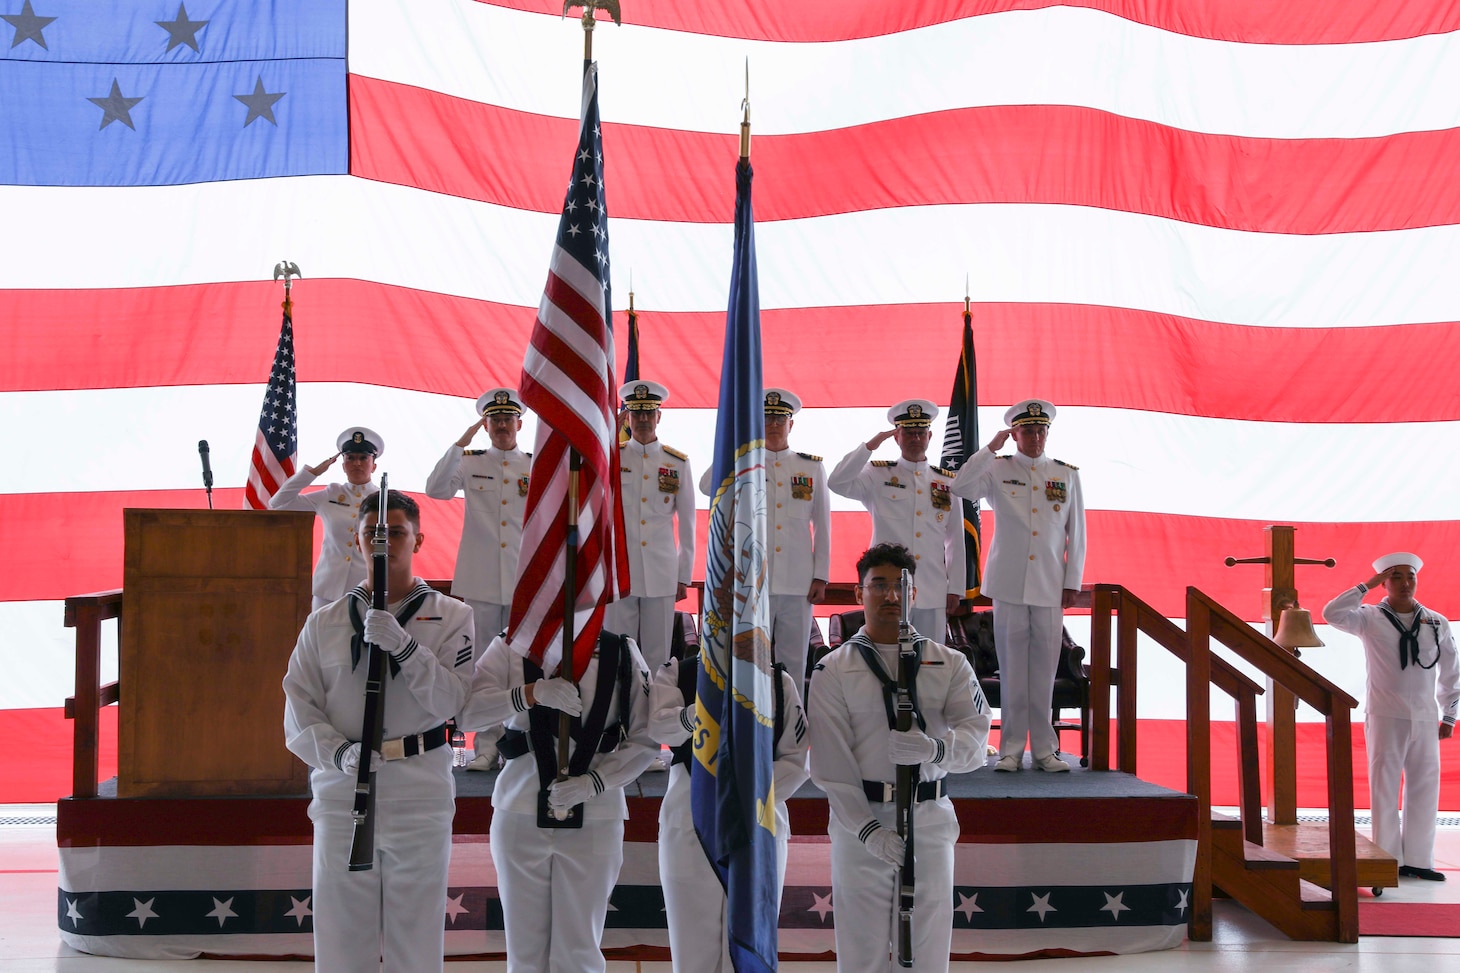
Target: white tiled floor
29,944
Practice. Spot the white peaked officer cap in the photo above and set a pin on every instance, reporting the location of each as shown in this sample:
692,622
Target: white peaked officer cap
1029,412
1397,558
358,439
913,413
643,396
499,401
780,402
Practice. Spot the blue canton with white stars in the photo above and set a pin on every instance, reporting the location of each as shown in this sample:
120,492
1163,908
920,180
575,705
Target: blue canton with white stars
583,230
278,421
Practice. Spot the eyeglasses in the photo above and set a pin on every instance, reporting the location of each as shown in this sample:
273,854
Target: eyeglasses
882,589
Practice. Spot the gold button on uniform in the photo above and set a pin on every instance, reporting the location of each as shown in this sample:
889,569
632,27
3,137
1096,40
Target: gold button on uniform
1034,533
1031,557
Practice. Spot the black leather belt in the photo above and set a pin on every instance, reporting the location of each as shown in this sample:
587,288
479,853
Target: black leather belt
400,749
513,743
881,792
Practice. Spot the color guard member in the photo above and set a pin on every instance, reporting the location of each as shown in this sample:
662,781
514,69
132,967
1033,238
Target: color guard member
391,916
855,751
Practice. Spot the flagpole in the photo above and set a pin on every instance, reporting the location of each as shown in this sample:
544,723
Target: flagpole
575,463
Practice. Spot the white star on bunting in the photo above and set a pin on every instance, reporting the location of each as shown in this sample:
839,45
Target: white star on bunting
143,911
222,911
968,905
1041,905
300,911
822,905
1114,905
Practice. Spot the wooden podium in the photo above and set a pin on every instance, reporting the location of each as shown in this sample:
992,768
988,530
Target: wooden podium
213,602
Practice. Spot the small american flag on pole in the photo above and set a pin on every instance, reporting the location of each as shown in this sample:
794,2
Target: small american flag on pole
276,445
567,379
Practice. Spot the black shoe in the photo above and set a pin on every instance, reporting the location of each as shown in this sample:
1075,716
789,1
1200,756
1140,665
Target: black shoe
1428,874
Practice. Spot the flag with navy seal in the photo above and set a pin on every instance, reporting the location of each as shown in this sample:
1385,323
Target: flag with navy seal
732,783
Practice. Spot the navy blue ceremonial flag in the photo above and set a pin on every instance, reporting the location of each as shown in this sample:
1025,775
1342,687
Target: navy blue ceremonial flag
631,366
960,441
732,776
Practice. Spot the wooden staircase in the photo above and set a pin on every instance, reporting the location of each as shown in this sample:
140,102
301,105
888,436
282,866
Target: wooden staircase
1271,884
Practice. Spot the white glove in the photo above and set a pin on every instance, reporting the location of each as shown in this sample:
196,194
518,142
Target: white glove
381,629
566,794
910,747
350,760
559,694
885,845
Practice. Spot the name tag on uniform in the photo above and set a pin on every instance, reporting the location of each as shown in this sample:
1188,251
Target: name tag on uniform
1014,483
1055,490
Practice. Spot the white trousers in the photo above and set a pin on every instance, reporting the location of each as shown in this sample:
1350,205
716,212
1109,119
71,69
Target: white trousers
864,894
694,899
490,620
393,916
555,886
1407,749
1027,640
932,622
648,621
791,635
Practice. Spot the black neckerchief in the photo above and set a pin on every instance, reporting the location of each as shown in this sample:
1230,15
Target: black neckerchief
1409,638
358,596
889,686
586,732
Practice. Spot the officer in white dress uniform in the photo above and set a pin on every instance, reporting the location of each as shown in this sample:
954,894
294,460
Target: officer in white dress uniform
1404,646
911,505
395,911
854,755
555,880
1033,574
798,512
341,566
657,489
694,899
495,481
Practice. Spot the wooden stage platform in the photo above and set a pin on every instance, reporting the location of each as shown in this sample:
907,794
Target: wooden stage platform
1047,864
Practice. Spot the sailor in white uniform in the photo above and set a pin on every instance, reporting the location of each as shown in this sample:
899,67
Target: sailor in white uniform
495,482
392,915
854,757
558,845
1033,573
1413,673
341,566
798,515
911,505
657,491
694,899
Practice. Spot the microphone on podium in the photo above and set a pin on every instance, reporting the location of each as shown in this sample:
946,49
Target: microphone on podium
207,471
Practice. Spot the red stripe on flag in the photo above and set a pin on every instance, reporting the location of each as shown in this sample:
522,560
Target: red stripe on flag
1110,357
1004,154
1247,21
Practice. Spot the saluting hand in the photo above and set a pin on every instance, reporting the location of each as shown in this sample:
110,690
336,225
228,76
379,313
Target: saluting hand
471,431
1376,580
1000,437
317,470
880,438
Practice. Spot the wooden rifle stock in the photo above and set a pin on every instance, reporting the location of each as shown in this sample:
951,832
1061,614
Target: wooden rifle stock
362,842
905,790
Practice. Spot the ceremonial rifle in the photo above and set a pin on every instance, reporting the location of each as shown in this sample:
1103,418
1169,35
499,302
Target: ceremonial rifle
905,791
362,843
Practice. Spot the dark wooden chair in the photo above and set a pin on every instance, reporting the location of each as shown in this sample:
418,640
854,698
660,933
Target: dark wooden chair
684,640
973,635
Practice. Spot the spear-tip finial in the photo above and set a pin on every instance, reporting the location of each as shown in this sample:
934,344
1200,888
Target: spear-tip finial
631,290
745,119
967,301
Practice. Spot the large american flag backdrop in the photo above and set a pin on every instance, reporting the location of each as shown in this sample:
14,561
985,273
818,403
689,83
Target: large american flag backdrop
1222,237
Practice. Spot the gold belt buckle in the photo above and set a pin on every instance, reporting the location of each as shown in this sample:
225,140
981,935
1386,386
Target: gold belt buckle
393,749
